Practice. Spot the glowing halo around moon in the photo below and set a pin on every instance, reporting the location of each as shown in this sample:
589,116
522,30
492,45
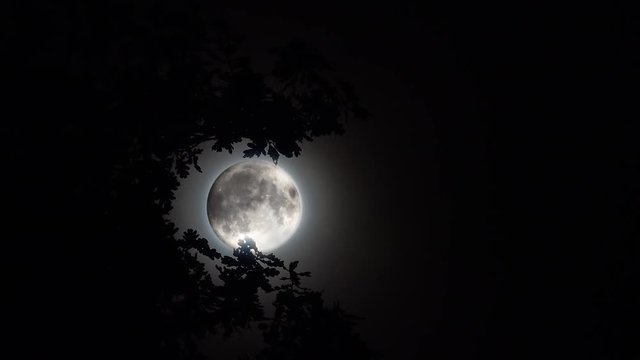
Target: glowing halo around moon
257,200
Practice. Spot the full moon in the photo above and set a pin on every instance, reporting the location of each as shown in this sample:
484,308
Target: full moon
257,200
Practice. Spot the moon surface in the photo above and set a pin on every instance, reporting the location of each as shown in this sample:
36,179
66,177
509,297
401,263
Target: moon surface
257,200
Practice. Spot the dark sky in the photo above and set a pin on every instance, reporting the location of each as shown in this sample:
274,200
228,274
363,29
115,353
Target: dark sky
374,218
488,210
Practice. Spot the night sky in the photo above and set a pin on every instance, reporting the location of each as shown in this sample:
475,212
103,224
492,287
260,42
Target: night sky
488,209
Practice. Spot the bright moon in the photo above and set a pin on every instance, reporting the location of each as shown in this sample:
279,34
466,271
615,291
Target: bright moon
257,200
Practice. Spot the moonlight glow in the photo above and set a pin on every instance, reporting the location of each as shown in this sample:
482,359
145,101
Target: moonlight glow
254,199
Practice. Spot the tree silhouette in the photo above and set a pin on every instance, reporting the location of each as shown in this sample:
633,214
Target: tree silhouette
120,97
304,328
301,327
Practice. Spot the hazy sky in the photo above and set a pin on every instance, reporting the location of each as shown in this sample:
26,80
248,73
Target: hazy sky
356,215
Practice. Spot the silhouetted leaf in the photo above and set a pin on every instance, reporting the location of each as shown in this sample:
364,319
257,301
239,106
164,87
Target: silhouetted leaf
254,150
273,153
293,265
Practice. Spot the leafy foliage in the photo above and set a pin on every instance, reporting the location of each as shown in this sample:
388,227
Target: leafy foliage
120,96
302,326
